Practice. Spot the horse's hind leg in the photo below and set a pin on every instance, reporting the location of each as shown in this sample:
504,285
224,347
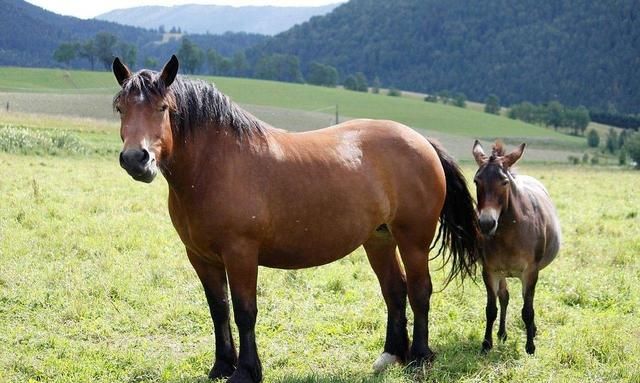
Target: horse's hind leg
415,257
381,251
491,283
503,296
529,280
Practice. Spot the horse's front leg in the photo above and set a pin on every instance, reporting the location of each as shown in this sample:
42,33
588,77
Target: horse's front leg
214,281
241,261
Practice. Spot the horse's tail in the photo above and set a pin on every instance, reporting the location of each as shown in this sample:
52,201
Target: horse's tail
459,230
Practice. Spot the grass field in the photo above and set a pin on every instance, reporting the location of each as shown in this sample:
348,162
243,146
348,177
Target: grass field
95,286
88,94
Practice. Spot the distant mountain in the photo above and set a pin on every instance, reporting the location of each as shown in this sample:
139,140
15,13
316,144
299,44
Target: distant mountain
29,35
216,19
574,51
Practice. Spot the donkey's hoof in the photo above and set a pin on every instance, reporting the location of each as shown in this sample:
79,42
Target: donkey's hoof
502,336
486,346
530,348
221,370
384,360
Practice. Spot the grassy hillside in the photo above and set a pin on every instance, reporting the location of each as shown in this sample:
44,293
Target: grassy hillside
411,111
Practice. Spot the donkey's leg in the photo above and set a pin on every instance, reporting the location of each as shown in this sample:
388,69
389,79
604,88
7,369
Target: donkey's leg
491,283
529,280
214,282
381,251
241,261
503,296
415,257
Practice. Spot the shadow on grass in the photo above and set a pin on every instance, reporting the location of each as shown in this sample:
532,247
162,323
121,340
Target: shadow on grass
454,361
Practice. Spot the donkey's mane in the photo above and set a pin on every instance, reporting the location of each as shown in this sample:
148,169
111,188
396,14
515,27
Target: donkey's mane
194,104
497,151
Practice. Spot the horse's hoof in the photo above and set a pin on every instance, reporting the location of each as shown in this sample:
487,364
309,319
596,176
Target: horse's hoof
423,359
221,370
502,336
384,360
486,346
530,348
243,376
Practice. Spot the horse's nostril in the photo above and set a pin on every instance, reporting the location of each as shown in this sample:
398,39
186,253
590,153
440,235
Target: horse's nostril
145,156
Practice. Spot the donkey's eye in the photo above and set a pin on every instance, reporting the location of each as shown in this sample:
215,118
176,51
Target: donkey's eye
118,109
505,182
164,107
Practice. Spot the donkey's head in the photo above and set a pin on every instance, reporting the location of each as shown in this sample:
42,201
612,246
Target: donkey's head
493,183
145,104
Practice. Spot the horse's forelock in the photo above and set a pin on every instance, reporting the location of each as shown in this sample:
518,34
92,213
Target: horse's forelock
498,149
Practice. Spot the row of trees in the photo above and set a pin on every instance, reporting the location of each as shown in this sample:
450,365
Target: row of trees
100,49
552,114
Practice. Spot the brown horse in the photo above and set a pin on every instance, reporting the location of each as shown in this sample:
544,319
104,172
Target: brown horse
521,234
244,194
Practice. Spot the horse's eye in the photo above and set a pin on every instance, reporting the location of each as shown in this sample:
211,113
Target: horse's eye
164,107
505,182
118,109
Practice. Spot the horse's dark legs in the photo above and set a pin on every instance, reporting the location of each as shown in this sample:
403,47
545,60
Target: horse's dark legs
381,251
503,296
241,261
415,259
214,282
528,291
491,310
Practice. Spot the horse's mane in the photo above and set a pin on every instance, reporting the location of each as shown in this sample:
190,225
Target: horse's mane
193,104
497,151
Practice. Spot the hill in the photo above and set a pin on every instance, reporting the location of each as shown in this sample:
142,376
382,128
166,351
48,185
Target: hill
29,36
216,19
578,52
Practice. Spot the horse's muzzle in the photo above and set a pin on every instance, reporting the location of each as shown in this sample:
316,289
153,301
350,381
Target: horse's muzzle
139,163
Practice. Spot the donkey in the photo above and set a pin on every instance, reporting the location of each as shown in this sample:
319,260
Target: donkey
521,235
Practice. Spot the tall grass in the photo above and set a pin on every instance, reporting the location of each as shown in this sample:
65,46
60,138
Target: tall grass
23,140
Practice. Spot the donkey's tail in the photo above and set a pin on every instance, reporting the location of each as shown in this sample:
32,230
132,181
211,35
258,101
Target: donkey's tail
459,231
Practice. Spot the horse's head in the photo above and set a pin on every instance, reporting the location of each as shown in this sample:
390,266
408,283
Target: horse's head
493,183
144,104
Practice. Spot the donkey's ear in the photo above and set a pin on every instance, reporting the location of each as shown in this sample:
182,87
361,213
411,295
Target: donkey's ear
170,71
121,71
478,153
514,156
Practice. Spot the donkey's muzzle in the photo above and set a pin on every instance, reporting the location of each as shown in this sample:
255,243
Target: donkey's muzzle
488,221
139,163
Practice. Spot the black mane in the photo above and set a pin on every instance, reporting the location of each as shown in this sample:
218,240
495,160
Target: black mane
193,104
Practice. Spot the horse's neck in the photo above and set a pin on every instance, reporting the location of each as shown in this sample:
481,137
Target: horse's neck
203,154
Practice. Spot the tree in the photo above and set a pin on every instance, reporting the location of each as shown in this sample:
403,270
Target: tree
88,51
393,92
128,53
191,56
213,61
321,74
555,115
580,120
239,63
150,62
279,67
350,83
460,100
105,44
593,139
492,104
361,82
66,52
632,147
612,140
375,87
225,66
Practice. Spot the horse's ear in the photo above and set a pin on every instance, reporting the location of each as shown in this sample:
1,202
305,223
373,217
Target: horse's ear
121,71
478,153
170,71
514,156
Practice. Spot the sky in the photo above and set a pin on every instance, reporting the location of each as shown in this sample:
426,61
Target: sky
85,9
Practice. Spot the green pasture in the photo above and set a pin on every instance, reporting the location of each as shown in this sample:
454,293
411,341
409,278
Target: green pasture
88,94
95,286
